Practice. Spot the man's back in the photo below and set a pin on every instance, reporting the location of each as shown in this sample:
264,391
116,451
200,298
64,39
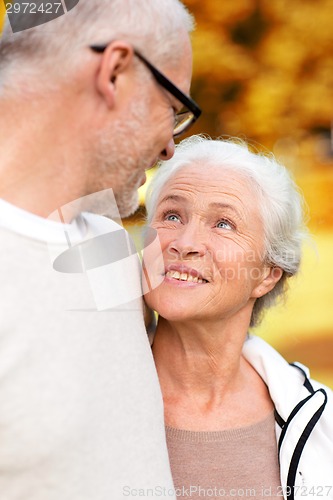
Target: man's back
74,383
81,414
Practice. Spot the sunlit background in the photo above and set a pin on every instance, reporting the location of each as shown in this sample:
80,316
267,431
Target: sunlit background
263,70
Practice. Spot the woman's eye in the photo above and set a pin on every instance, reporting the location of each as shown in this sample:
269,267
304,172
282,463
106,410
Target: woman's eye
172,217
224,224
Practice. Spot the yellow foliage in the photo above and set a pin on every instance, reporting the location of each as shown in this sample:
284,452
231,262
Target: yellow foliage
263,70
2,15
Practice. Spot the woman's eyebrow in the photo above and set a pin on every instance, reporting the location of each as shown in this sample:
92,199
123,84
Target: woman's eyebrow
174,197
216,204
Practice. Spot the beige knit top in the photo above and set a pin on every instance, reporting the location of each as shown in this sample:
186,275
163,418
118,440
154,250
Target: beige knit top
235,463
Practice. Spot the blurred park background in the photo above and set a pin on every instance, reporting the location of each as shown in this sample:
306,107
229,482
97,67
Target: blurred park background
263,71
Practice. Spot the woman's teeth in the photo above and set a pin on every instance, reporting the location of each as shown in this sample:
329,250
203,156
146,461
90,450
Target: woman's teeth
184,277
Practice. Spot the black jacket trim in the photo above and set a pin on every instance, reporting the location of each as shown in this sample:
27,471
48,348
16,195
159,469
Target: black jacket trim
307,382
279,419
308,386
300,446
291,416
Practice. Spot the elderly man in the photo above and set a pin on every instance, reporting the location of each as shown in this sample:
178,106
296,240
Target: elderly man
88,102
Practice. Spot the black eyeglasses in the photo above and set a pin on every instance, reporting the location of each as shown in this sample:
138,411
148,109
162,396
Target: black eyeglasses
183,120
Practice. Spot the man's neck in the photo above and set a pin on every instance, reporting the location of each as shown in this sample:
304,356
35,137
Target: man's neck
39,160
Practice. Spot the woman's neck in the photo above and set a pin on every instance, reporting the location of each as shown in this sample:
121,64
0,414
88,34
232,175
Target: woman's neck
196,358
205,381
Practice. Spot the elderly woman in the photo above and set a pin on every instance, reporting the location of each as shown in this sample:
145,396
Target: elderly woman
240,421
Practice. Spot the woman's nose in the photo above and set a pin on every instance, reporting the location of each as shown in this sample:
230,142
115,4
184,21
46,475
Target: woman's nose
190,242
168,152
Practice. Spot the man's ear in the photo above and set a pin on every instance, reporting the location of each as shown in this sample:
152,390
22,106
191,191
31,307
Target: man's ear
271,276
115,60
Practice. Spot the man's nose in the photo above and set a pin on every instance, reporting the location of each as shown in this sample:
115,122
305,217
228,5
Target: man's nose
168,152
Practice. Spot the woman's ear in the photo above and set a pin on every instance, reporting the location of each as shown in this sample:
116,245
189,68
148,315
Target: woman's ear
271,276
116,59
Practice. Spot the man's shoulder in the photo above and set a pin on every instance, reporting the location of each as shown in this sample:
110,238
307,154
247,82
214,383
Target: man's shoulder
11,240
100,222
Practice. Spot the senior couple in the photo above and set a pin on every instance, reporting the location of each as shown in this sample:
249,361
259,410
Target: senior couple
89,409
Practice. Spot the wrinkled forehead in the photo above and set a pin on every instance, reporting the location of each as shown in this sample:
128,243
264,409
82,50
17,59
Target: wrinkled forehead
208,188
209,179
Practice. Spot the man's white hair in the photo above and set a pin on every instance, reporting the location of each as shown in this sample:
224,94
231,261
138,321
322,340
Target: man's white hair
154,27
279,200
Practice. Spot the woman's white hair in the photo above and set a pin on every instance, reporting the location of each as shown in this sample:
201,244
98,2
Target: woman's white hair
154,27
279,200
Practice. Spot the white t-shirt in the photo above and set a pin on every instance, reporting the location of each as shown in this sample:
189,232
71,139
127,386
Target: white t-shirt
81,414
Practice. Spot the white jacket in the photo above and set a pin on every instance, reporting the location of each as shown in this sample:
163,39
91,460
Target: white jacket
304,422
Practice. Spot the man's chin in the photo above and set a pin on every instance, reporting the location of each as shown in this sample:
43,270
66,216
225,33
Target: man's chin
129,212
126,206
